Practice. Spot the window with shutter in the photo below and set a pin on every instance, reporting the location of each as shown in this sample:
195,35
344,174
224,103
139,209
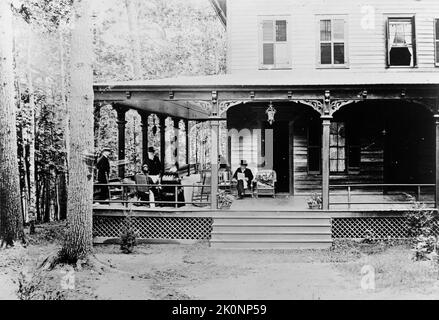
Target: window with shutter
274,43
332,42
436,41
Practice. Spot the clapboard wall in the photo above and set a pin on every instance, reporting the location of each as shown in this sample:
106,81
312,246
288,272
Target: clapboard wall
366,46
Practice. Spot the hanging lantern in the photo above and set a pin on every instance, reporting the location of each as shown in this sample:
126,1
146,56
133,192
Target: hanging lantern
271,111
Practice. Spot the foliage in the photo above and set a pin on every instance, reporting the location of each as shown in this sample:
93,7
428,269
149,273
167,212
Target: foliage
423,226
43,28
225,200
128,236
34,287
315,201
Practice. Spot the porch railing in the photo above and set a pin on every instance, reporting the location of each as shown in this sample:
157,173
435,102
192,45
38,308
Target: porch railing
125,194
410,192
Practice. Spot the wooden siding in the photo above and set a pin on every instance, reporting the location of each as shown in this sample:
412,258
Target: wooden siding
366,47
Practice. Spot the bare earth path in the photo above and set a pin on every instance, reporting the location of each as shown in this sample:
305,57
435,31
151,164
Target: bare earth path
200,272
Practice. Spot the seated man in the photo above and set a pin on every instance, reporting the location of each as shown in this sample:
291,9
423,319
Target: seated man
145,193
244,177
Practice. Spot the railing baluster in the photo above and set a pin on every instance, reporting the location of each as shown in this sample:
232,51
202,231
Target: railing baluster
176,196
349,197
419,193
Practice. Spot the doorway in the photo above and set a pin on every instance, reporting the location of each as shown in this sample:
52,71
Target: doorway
281,155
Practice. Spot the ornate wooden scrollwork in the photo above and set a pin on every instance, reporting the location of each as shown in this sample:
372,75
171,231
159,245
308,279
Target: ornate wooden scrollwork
335,105
226,105
317,105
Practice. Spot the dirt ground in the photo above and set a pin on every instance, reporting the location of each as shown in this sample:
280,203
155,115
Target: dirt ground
200,272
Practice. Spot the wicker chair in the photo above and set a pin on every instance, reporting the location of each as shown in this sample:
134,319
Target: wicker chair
265,183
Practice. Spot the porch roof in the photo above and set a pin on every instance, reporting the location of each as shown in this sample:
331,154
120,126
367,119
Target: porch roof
283,78
188,97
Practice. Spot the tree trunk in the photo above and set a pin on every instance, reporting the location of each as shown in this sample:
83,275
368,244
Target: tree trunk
11,220
31,137
64,178
78,242
132,11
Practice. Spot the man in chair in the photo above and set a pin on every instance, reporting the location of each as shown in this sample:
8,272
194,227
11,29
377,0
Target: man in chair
244,177
145,193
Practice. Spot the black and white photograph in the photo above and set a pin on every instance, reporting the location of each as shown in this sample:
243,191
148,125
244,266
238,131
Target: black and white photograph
229,151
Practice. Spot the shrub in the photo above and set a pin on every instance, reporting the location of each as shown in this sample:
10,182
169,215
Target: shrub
315,201
36,287
225,200
423,227
128,236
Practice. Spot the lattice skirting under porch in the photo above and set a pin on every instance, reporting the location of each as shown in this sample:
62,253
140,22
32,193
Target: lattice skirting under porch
374,227
169,228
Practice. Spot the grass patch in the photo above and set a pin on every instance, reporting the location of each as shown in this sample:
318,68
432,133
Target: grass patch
393,264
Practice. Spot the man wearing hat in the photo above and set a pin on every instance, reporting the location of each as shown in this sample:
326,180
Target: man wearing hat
244,177
103,166
154,165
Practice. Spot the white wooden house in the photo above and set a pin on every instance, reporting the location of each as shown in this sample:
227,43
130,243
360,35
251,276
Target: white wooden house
355,87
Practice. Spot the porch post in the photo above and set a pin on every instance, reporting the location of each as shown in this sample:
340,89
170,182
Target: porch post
144,118
326,122
214,136
436,118
186,126
214,129
96,124
121,123
162,124
176,139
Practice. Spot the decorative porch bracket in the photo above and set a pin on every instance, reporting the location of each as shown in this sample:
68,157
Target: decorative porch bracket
327,108
224,106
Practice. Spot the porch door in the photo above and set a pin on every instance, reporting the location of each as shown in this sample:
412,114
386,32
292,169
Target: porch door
281,155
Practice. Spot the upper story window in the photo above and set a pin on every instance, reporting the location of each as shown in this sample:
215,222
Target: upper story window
401,42
332,42
274,43
436,41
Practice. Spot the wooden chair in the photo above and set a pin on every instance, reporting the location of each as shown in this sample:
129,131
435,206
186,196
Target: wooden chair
201,189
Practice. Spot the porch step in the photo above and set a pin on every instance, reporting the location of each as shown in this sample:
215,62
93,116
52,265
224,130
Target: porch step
272,227
272,230
271,236
257,245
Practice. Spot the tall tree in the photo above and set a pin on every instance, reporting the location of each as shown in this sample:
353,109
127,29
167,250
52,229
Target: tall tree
11,220
31,137
78,242
132,11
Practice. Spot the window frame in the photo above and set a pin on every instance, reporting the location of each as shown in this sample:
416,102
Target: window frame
338,147
332,17
435,41
412,18
261,42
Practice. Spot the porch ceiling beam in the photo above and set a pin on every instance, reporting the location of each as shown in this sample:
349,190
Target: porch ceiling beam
176,109
266,94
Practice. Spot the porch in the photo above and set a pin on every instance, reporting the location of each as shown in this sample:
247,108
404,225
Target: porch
366,181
